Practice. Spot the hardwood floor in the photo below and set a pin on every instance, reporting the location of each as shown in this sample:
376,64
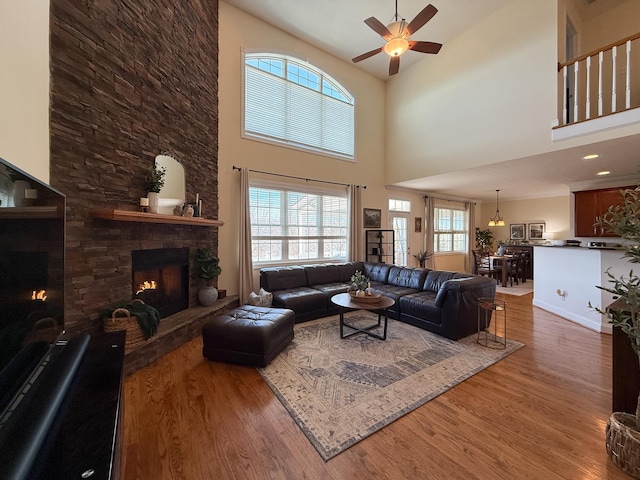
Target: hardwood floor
538,414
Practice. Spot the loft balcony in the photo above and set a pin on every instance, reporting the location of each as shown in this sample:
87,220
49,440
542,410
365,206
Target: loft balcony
599,90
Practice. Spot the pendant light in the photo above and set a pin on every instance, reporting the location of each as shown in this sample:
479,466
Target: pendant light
496,220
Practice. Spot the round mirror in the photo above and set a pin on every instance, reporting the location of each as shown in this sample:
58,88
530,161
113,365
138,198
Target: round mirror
174,188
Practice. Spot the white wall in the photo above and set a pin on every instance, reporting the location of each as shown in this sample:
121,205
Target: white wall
241,31
487,97
24,85
576,272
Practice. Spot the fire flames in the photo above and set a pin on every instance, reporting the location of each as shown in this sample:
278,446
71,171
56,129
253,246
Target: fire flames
146,285
39,295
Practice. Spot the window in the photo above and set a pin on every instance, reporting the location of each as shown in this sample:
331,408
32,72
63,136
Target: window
288,224
290,102
449,230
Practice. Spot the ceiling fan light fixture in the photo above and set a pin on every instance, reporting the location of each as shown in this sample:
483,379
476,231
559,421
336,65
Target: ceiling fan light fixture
396,46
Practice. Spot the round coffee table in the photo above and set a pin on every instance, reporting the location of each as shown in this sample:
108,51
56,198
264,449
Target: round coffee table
346,301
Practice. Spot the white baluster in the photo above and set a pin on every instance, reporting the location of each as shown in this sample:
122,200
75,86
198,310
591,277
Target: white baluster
588,96
564,95
600,61
614,54
628,80
575,92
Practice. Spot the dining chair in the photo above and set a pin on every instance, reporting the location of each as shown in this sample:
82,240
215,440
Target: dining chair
482,265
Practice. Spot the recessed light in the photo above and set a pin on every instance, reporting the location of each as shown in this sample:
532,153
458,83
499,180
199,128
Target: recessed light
604,172
591,156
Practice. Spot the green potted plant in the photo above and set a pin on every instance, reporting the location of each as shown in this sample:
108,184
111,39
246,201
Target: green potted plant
153,183
484,239
360,282
623,429
207,268
422,256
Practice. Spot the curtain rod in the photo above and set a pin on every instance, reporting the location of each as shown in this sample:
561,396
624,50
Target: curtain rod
300,178
462,200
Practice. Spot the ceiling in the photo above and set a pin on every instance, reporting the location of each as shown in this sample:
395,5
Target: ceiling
337,27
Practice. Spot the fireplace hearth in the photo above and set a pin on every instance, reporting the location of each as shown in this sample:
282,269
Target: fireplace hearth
160,277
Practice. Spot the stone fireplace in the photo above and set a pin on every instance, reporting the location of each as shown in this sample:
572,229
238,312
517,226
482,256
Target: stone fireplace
129,81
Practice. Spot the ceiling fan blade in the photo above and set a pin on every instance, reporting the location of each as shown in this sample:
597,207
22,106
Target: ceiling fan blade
421,18
364,56
378,27
394,65
425,47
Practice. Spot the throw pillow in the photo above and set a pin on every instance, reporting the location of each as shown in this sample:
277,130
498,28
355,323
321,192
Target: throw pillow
261,299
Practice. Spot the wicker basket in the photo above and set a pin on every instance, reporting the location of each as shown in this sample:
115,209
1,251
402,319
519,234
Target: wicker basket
623,443
134,334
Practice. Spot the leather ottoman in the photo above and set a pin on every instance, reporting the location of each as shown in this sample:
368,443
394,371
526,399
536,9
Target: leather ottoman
248,335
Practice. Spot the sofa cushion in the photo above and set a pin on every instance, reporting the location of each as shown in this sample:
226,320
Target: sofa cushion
421,305
346,270
282,278
407,277
435,279
376,272
321,274
306,302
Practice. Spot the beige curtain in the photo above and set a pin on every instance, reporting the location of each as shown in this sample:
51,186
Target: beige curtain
428,231
471,221
355,221
246,264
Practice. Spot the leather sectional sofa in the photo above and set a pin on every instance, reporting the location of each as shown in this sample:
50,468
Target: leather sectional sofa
438,301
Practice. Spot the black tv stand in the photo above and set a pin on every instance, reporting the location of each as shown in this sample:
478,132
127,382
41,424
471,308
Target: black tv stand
83,437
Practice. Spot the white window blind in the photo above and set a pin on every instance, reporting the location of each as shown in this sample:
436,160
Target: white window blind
298,105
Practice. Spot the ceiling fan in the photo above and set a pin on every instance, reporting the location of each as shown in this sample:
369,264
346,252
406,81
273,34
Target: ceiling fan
396,36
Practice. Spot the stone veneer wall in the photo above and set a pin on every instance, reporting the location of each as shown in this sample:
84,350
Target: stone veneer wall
129,80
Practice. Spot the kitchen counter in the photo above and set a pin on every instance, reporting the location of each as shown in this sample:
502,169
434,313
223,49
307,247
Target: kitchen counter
566,278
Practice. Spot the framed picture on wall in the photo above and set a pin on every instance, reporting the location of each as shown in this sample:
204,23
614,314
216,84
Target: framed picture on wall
418,224
372,217
535,231
517,231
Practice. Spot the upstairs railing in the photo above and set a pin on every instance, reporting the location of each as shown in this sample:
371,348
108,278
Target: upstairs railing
600,83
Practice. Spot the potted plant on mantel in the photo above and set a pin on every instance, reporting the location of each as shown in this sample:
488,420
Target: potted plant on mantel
623,429
153,183
206,267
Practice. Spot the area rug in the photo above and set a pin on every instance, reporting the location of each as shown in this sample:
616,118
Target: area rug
517,290
340,391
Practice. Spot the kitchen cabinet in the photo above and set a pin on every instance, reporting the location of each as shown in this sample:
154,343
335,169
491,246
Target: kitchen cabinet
379,246
591,204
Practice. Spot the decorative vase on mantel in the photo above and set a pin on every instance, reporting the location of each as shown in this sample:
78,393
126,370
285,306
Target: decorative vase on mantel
153,202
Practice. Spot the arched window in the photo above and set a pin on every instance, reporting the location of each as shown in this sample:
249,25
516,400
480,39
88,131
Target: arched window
290,102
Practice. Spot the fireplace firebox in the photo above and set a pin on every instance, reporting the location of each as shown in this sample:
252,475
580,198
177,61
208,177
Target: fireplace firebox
160,277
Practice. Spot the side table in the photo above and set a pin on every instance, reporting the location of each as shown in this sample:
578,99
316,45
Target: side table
488,334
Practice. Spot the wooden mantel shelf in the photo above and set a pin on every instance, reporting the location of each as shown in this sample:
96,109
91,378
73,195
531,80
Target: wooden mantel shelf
132,216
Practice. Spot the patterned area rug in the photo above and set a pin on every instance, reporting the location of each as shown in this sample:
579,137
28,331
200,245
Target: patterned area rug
340,391
517,290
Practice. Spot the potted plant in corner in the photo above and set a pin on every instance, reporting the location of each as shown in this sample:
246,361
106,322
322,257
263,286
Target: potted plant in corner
421,257
153,183
623,429
484,239
206,267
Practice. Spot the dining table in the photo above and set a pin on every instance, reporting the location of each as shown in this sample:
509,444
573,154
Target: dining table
501,260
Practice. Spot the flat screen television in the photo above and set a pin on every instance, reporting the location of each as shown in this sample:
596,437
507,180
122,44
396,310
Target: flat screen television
37,362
